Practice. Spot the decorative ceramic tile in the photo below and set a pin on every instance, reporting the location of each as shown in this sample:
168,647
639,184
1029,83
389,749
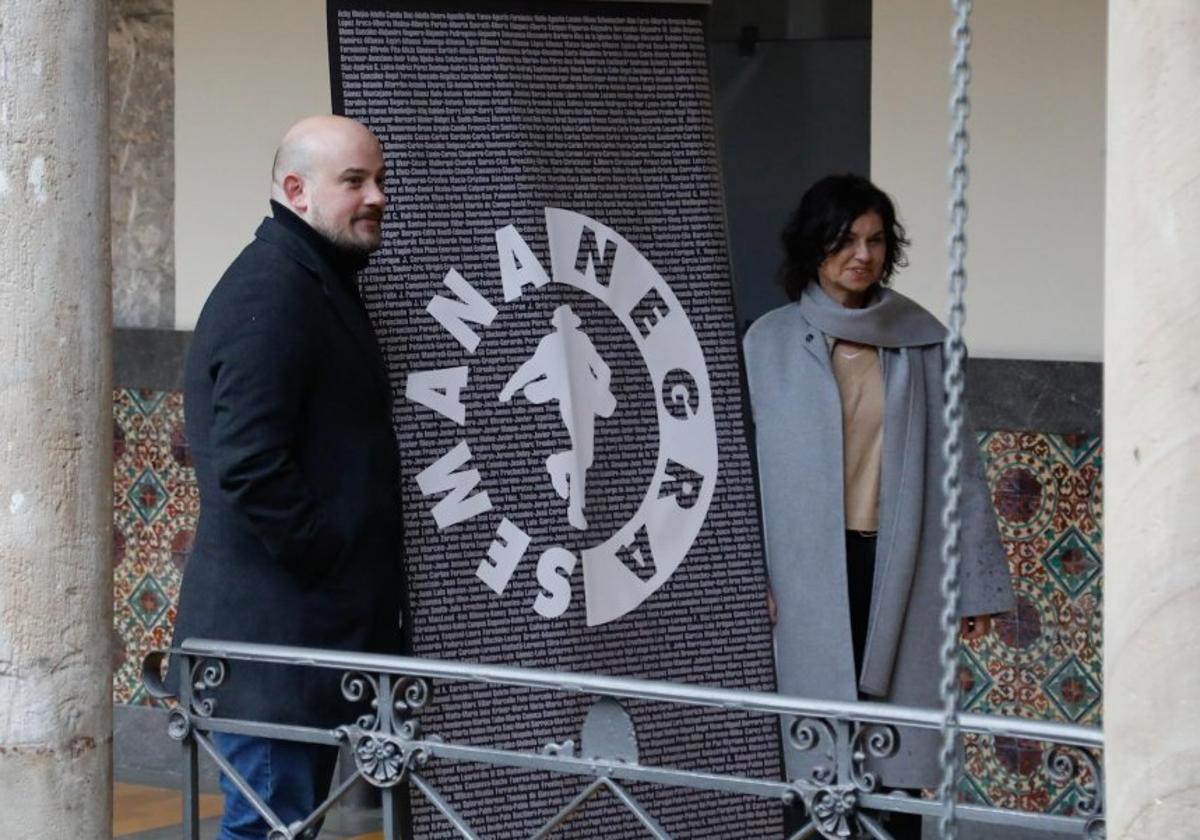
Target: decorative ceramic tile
974,680
1075,448
1043,658
1073,562
148,496
1072,690
148,602
146,401
155,505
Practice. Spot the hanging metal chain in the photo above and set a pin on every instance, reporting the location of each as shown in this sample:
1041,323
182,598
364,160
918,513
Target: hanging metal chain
954,357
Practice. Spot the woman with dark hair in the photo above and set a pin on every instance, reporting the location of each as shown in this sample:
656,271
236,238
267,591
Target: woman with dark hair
846,391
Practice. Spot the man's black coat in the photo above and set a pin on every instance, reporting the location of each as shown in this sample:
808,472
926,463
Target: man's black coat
288,407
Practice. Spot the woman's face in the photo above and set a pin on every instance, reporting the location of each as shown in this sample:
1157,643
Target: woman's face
856,264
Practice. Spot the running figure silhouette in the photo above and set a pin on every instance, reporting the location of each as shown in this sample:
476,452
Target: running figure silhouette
566,368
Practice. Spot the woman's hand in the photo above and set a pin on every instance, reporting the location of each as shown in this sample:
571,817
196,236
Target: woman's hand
975,627
772,609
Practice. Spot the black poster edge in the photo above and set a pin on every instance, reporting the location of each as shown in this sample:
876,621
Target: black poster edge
337,104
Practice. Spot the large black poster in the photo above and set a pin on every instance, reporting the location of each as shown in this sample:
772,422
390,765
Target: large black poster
554,302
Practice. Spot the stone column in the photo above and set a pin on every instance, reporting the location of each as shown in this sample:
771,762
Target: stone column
1152,420
55,422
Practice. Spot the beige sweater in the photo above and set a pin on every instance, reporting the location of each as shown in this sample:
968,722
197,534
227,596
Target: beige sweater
860,382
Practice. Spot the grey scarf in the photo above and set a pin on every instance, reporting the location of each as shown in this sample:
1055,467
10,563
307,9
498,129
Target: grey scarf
891,321
888,320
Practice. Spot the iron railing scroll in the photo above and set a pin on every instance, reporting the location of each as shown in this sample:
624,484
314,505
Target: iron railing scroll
842,797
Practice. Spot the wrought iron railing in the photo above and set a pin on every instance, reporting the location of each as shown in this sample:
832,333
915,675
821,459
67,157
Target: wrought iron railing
842,798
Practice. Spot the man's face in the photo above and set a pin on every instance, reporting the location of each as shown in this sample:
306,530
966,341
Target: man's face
346,191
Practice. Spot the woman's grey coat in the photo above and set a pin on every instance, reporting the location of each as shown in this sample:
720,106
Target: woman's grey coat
798,422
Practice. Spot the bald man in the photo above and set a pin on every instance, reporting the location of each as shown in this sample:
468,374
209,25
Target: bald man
288,411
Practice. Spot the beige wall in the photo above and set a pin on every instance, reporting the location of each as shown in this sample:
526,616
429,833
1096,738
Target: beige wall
244,71
1036,229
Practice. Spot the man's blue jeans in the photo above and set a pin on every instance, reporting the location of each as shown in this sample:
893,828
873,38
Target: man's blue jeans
291,778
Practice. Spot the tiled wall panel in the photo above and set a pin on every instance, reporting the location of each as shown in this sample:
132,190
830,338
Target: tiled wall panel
155,505
1043,660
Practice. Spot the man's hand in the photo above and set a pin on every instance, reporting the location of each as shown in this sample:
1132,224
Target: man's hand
975,627
772,608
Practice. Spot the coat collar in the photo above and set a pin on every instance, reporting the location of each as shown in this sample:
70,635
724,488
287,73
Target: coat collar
320,251
337,279
799,329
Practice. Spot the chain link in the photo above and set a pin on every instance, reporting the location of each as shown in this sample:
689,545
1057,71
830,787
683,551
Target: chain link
954,355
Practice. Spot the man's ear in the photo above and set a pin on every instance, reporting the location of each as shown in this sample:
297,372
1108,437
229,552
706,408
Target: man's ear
297,195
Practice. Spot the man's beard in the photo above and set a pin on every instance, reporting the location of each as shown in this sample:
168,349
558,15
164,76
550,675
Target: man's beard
345,239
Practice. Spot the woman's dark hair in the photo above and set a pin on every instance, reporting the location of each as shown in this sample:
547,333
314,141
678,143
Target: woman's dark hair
822,222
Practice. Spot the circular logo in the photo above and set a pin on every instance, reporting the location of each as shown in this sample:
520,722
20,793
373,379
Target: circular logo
563,370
